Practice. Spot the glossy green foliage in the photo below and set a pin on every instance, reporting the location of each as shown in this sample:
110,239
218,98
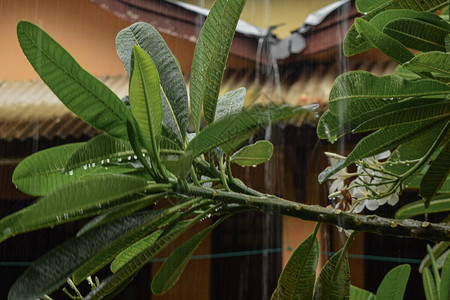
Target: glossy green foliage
299,275
417,208
174,94
254,154
334,278
394,283
210,56
71,83
436,285
360,294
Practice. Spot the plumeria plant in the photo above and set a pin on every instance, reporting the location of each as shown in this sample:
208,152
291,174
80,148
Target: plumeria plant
146,156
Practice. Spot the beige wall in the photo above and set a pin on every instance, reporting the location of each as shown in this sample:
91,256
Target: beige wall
264,13
84,29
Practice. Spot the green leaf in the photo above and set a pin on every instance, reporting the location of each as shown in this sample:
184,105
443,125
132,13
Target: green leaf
437,250
359,294
102,149
417,34
179,165
429,285
71,202
417,208
447,42
230,103
175,100
210,57
354,44
365,6
81,92
394,283
43,171
52,270
377,142
109,252
406,116
383,18
437,173
145,100
430,62
298,276
388,45
171,270
334,279
254,154
140,259
375,92
445,280
236,126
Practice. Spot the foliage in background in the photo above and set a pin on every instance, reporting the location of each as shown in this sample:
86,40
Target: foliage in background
146,156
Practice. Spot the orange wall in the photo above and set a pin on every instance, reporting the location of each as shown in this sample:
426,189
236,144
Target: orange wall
87,31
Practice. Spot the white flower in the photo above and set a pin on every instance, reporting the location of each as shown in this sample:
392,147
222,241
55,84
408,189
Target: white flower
338,183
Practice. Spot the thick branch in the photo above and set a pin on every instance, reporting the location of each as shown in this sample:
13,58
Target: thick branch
371,223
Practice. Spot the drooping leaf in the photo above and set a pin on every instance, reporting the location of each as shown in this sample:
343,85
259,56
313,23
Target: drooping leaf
109,252
359,294
81,92
417,34
365,6
234,126
437,173
298,276
334,278
43,171
210,56
171,78
354,44
377,142
380,40
417,208
429,285
254,154
140,259
407,116
394,283
230,103
444,292
71,202
51,270
433,61
171,270
145,100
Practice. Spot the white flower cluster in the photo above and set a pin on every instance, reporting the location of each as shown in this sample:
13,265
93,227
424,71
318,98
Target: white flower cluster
371,187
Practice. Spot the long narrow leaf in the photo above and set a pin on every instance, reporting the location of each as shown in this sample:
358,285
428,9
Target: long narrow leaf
394,283
383,18
112,282
365,6
81,92
53,269
388,45
72,202
433,61
354,44
334,278
417,208
407,116
429,285
298,276
172,81
444,292
437,174
42,172
417,34
171,270
210,56
377,142
231,127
